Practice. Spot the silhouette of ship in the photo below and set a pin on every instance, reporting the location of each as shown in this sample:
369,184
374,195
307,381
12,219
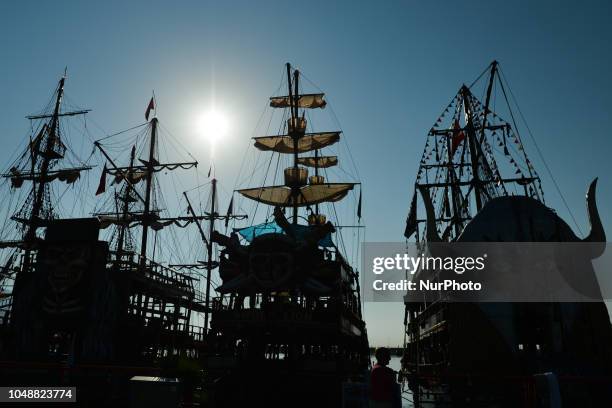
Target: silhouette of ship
286,328
103,301
82,311
478,185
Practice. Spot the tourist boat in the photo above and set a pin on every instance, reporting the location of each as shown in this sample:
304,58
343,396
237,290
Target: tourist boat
286,326
478,184
88,300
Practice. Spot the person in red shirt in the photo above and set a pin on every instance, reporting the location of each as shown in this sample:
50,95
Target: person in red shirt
383,384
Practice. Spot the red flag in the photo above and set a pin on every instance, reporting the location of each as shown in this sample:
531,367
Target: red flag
102,185
458,136
150,107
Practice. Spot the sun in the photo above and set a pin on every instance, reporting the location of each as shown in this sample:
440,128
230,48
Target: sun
213,125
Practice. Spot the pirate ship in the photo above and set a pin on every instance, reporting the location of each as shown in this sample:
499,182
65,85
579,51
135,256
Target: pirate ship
286,328
478,184
87,300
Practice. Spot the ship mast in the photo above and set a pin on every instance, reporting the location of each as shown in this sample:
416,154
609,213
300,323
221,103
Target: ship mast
473,145
299,190
210,264
40,177
209,250
42,154
132,175
126,200
293,132
461,162
150,167
52,129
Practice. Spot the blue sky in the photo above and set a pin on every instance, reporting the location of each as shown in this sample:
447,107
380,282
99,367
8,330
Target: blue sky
388,67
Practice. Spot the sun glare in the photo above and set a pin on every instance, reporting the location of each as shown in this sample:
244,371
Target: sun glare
213,126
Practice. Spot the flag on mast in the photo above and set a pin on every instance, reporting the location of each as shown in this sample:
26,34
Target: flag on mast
102,185
150,107
458,136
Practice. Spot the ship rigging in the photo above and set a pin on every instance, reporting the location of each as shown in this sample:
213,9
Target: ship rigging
288,314
471,156
478,185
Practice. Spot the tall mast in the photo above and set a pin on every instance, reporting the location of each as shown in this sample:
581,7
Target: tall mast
478,157
126,198
209,263
297,129
488,98
454,189
299,190
316,169
474,151
212,216
293,132
40,174
44,168
147,203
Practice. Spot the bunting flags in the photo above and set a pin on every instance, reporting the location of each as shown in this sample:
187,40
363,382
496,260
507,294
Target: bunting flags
102,185
411,221
150,107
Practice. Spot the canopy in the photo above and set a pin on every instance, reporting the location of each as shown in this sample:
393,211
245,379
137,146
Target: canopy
308,195
319,162
306,143
310,101
299,231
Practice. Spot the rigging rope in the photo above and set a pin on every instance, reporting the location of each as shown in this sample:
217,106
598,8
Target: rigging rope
121,132
535,144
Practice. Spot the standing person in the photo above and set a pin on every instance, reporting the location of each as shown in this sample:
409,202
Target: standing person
383,384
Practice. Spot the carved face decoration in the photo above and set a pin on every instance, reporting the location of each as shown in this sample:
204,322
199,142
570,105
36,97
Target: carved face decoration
65,266
272,261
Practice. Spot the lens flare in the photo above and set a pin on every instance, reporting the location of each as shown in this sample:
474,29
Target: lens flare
213,126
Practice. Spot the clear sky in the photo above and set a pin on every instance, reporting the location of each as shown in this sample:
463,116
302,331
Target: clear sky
388,67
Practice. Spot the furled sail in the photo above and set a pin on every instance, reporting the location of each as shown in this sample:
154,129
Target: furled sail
134,176
310,101
319,162
136,173
133,220
308,195
118,219
307,143
68,176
